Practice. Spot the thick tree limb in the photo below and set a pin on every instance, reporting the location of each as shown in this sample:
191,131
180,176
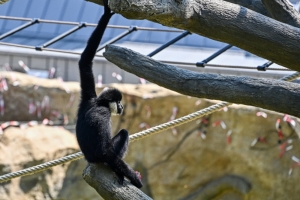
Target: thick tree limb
255,5
286,14
221,21
283,10
105,182
265,93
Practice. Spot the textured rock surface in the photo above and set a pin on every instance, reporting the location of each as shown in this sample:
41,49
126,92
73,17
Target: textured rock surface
175,164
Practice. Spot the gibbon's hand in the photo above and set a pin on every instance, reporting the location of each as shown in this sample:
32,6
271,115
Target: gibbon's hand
107,11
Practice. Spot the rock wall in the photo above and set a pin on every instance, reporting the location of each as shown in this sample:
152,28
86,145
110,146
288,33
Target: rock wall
198,160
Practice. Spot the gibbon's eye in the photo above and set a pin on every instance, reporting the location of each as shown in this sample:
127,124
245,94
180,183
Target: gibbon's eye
120,107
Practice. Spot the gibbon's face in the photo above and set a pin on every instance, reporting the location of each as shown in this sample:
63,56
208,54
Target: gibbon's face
116,107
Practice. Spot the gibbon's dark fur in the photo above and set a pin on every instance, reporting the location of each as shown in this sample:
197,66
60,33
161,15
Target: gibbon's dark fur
93,128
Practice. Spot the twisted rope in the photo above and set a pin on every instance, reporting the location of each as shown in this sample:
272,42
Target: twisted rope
132,138
41,167
290,77
179,121
193,116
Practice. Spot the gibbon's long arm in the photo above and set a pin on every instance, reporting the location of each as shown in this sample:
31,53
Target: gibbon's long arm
86,61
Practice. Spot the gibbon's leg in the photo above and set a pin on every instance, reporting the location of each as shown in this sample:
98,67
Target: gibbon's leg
122,169
120,143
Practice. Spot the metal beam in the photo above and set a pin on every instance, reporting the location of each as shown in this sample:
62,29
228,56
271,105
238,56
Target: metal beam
61,36
205,61
179,37
264,66
15,30
119,37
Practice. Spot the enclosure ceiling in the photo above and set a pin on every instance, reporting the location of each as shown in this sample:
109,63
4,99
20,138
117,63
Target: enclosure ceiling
127,30
60,26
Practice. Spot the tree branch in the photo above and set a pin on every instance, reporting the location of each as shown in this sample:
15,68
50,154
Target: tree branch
283,10
255,5
270,94
221,21
105,182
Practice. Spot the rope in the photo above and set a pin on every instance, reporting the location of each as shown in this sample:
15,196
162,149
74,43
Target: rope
290,77
179,121
134,137
41,167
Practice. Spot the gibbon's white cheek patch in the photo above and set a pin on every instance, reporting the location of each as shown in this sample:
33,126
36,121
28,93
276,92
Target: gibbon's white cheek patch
113,107
104,89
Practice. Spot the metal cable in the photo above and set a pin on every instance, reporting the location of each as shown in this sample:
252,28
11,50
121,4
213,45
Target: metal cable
134,137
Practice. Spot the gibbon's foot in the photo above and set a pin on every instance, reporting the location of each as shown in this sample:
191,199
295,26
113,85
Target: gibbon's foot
137,182
138,174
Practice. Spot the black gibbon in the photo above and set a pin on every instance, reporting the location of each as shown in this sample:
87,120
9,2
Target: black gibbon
93,128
